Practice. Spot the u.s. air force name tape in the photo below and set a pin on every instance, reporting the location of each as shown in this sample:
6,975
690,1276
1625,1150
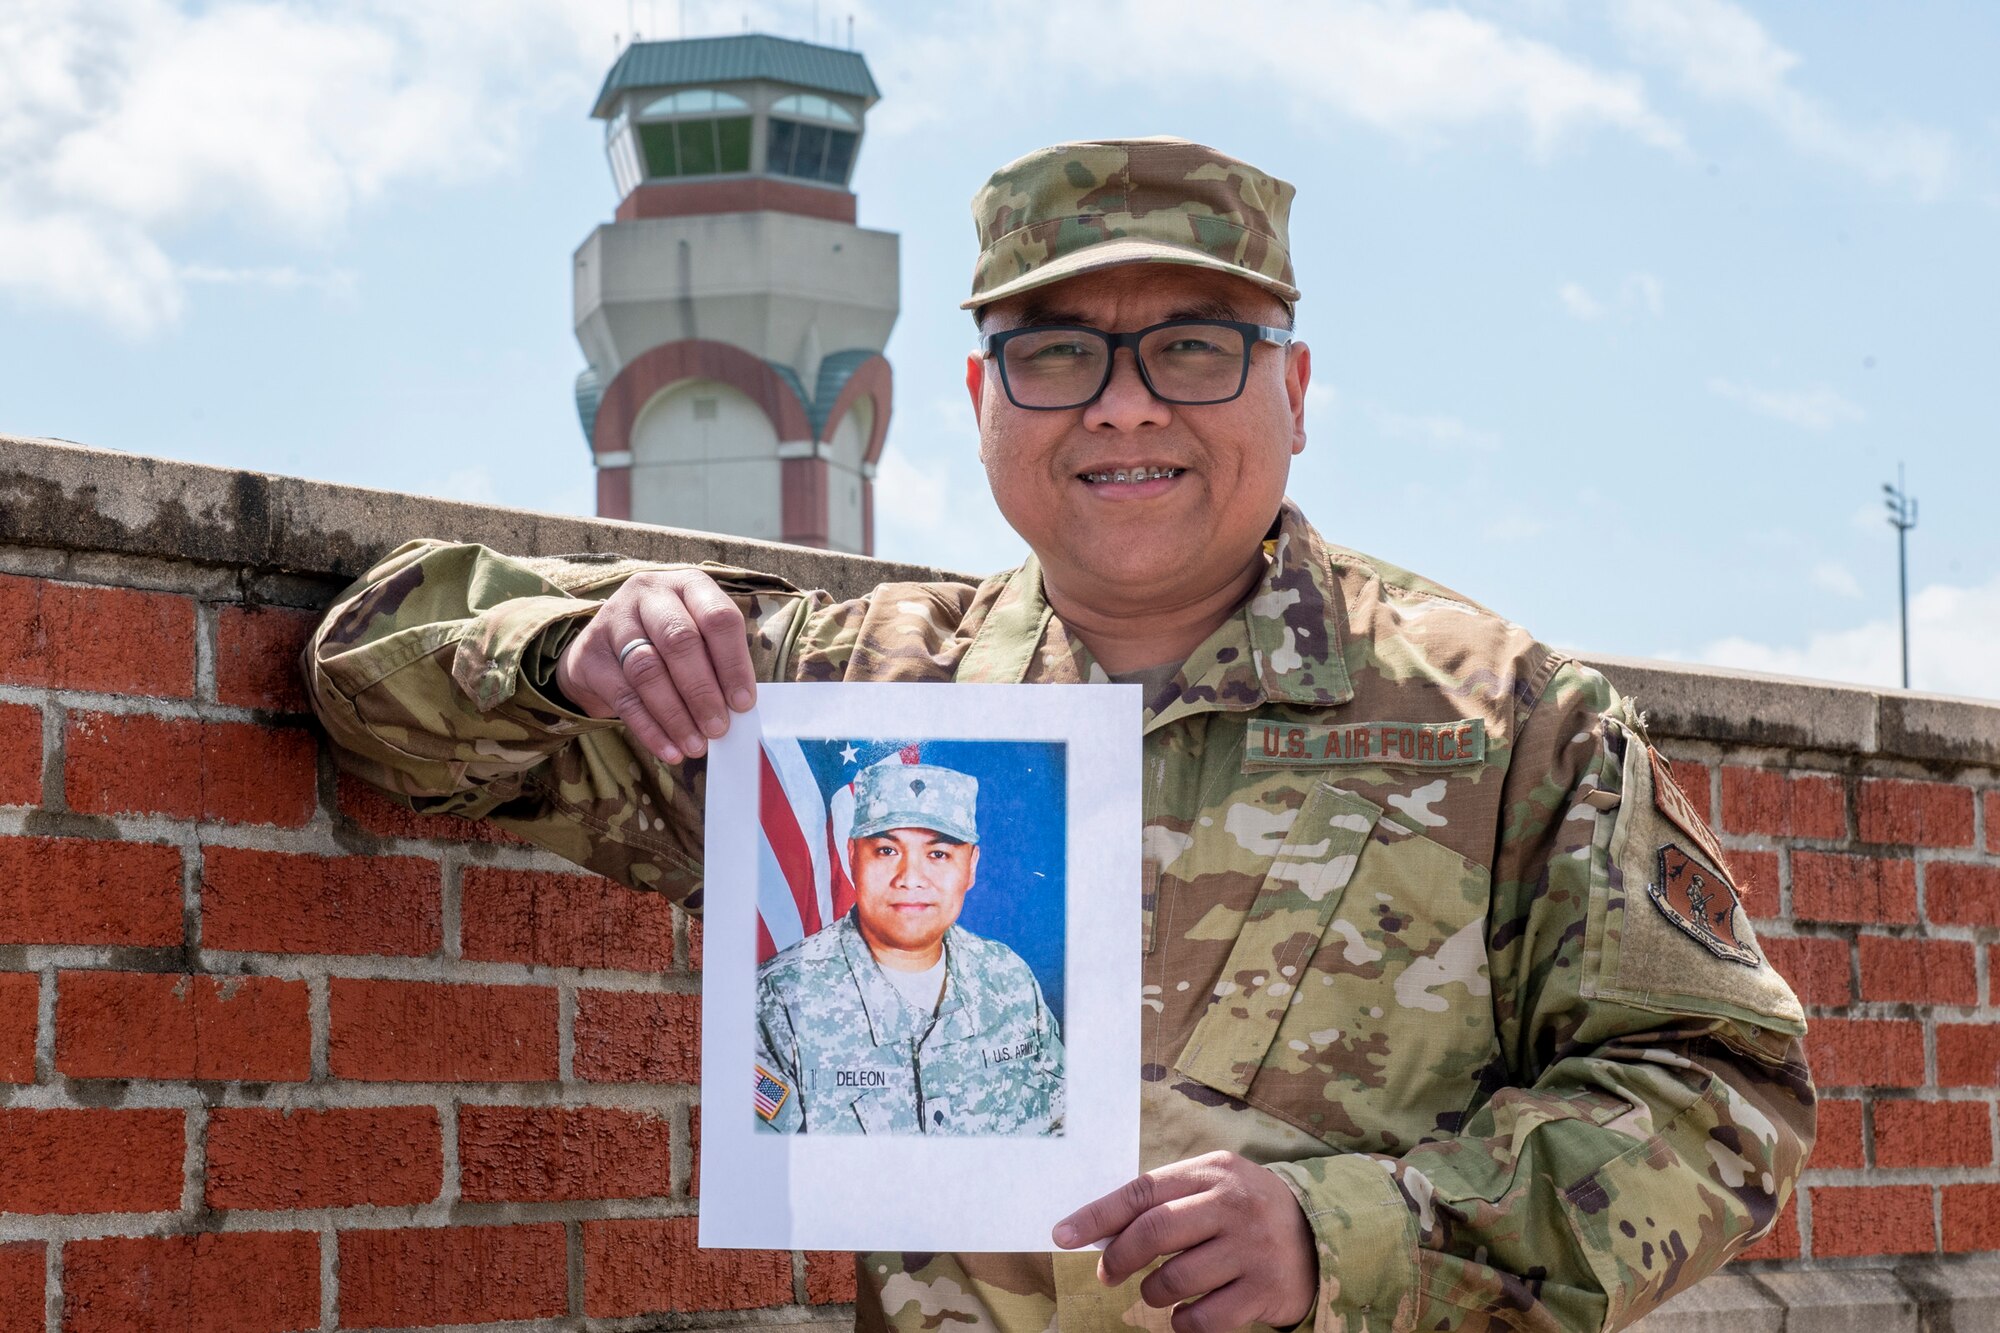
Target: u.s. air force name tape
1401,744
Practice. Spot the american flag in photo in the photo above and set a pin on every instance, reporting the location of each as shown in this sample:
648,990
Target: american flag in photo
770,1094
806,807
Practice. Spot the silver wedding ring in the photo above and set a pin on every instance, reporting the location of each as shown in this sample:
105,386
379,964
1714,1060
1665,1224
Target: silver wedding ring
629,648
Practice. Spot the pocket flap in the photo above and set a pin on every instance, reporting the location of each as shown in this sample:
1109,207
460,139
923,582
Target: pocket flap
1282,928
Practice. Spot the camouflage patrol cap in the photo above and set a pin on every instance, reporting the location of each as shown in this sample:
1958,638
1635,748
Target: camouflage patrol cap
1076,207
893,794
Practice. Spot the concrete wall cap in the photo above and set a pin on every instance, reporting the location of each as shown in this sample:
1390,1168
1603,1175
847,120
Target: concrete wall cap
66,496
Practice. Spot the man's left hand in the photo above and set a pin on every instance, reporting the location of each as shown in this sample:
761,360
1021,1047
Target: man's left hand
1243,1251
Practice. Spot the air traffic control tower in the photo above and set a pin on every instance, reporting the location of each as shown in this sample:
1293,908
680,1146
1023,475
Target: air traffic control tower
732,314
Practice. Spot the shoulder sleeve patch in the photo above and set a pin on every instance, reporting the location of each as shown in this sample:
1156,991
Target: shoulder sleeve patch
1667,929
771,1093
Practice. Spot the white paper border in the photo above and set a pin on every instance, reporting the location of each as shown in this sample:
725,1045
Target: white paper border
840,1192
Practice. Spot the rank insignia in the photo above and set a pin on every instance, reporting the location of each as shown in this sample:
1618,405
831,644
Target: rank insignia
770,1094
1701,902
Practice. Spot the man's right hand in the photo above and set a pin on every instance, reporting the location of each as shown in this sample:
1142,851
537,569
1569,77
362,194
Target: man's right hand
687,656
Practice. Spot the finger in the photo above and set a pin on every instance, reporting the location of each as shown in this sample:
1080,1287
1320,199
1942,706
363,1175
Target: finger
1191,1274
684,652
1111,1214
648,687
721,626
1168,1228
1231,1306
600,675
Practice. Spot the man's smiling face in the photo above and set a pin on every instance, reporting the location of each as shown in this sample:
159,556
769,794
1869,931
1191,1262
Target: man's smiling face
909,886
1213,475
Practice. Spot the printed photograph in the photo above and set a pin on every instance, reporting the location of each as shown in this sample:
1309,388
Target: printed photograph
910,937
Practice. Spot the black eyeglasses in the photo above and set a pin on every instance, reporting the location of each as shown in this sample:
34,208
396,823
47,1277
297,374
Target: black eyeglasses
1191,362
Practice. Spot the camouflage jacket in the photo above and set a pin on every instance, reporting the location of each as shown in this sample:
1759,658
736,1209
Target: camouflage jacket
1404,937
858,1058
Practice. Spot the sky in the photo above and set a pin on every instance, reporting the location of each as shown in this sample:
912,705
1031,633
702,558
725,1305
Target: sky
1622,313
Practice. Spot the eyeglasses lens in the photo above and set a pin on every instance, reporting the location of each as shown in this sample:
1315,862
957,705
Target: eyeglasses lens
1186,363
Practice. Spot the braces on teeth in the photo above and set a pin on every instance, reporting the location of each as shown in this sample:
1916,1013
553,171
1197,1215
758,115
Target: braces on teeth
1134,474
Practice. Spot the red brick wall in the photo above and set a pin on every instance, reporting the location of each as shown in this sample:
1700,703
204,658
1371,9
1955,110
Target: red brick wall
1875,886
279,1055
276,1054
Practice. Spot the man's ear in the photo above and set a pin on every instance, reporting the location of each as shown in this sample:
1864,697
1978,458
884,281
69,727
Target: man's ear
1298,375
975,380
972,867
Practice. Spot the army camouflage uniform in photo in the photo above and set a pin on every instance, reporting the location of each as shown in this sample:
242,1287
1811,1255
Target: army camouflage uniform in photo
858,1058
1422,930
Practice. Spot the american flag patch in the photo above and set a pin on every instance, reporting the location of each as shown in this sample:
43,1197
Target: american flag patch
770,1094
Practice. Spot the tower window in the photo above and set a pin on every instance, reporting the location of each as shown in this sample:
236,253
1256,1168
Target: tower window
696,147
810,152
806,106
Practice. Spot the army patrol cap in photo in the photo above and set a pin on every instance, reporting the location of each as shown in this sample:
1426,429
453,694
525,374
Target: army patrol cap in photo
1077,207
893,794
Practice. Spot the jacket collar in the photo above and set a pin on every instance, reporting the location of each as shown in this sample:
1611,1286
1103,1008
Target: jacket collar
1282,645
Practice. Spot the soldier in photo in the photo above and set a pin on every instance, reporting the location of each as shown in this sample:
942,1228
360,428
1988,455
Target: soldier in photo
1453,1017
895,1019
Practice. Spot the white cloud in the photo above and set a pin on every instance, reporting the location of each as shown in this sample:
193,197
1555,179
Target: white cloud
1417,73
936,508
1836,578
1638,294
279,277
1437,429
1954,641
1514,527
125,122
1576,299
1817,408
1723,53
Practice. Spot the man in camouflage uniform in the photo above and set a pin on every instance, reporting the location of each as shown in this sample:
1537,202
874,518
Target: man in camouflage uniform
1436,1035
895,1019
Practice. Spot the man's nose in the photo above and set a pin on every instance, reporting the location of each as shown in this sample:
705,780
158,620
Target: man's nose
1126,403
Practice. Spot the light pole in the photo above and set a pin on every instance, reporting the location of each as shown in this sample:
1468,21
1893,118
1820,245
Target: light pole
1902,517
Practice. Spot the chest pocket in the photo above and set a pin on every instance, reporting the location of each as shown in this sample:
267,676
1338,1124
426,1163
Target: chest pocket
1381,1034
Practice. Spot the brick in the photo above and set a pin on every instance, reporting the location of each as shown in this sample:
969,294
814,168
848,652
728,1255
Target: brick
90,1161
1918,971
1933,1133
20,997
1817,968
162,1025
830,1277
238,1282
77,891
20,754
115,640
1836,887
1692,778
647,1265
1763,800
1993,974
281,902
336,1158
22,1266
1839,1140
1968,1055
422,1032
1872,1219
257,657
1861,1052
1782,1240
1962,895
638,1037
452,1275
229,772
694,942
694,1152
510,1154
1915,814
1756,875
1993,821
368,809
1971,1218
529,916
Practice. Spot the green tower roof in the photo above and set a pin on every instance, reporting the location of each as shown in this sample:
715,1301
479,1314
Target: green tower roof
699,60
